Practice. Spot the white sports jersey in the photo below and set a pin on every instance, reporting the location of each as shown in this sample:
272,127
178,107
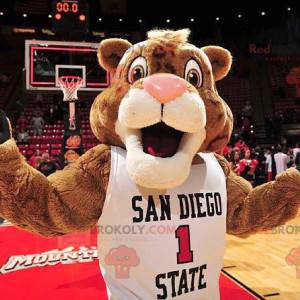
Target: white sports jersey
281,161
163,246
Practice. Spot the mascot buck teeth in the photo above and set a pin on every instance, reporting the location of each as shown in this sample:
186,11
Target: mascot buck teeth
160,125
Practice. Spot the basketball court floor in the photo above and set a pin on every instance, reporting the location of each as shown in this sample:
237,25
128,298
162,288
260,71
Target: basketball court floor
268,263
32,267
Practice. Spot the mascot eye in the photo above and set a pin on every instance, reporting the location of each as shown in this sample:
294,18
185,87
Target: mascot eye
137,70
193,73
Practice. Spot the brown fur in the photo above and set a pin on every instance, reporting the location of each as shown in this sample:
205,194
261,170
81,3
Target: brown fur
159,52
220,59
66,201
109,54
72,199
168,36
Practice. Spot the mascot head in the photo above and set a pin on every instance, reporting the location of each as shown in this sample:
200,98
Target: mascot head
162,105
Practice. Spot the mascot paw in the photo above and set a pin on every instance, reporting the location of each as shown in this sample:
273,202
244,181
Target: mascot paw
5,129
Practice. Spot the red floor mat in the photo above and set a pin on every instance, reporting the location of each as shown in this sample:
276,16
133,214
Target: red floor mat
56,276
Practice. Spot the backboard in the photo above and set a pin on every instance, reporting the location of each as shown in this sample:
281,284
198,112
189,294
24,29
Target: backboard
45,61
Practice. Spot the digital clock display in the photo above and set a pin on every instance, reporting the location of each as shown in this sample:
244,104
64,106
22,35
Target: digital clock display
70,15
65,7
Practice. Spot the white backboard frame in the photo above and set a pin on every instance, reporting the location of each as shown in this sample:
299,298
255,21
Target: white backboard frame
28,43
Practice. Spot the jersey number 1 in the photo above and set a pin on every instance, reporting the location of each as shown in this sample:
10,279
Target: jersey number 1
185,254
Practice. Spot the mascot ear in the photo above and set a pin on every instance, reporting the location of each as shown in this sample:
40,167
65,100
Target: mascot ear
110,52
220,60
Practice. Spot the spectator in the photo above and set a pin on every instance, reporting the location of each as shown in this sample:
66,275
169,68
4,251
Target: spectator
58,162
23,136
22,122
227,150
241,145
290,157
268,165
281,160
37,123
260,170
35,159
47,166
234,161
296,150
274,170
247,167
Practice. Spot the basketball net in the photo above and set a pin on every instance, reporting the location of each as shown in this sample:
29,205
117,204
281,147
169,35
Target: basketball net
70,85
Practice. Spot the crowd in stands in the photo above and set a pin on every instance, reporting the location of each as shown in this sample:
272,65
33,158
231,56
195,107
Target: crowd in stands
259,165
26,127
274,122
247,160
44,163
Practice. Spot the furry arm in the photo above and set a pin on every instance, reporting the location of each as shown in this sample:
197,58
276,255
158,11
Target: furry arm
66,201
261,208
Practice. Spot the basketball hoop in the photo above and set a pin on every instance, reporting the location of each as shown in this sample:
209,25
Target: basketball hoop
70,85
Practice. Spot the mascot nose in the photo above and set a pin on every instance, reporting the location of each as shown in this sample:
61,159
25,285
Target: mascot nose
164,87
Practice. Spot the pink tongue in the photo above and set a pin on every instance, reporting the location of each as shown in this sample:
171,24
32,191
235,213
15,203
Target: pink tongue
160,147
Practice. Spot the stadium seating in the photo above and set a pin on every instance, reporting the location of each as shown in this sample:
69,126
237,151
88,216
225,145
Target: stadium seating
51,139
284,95
235,91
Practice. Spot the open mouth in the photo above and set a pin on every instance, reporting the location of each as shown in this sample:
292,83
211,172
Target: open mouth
161,140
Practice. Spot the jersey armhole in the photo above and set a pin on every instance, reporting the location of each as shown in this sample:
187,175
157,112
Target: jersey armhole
212,155
213,158
112,176
113,168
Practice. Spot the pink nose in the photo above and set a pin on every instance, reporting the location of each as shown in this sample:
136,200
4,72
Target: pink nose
164,87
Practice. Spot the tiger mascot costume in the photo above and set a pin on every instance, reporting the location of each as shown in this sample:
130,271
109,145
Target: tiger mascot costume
160,125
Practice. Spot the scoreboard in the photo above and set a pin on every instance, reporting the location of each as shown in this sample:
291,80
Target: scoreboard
70,15
67,7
